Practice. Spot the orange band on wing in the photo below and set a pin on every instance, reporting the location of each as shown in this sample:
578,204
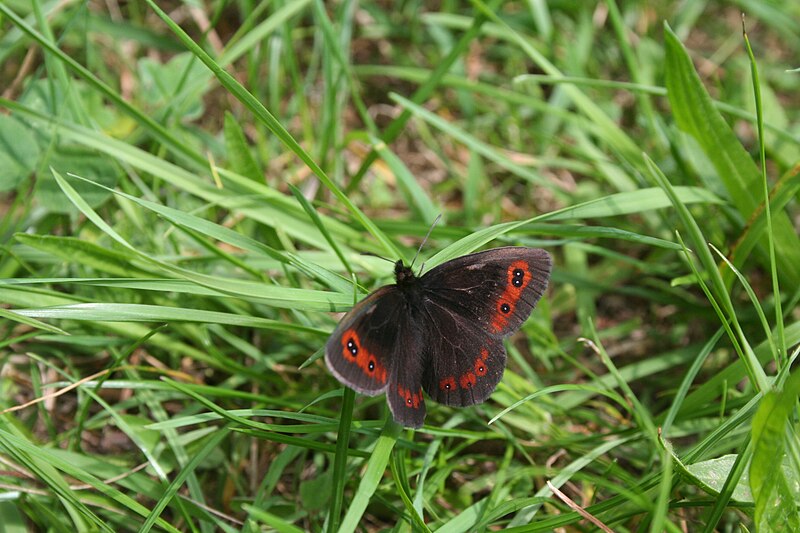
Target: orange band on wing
468,379
354,352
518,276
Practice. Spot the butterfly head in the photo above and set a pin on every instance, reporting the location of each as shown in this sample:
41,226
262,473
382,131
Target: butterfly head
403,274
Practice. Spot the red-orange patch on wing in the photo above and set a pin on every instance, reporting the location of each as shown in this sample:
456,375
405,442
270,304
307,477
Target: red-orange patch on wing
448,383
511,294
412,399
467,380
480,363
354,352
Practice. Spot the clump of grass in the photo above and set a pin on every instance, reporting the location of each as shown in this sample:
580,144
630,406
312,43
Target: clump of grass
191,196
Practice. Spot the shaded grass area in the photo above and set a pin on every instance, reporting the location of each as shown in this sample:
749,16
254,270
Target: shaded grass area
191,195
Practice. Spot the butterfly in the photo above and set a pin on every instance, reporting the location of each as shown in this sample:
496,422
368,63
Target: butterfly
441,332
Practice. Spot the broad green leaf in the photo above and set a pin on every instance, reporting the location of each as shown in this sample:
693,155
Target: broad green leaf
711,475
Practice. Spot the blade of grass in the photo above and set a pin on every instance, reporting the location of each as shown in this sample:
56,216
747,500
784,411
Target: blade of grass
776,293
340,459
9,314
695,114
175,485
376,466
396,465
312,214
430,84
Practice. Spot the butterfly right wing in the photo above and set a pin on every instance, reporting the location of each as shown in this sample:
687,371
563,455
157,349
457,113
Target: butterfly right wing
471,303
359,351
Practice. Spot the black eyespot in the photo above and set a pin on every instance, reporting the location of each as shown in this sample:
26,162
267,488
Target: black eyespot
408,401
480,369
505,308
371,365
351,345
519,275
447,386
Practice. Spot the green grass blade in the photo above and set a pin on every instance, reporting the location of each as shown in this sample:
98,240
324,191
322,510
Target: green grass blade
376,466
720,291
175,485
767,208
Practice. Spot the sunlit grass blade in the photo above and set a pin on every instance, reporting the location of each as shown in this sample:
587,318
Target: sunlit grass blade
28,321
767,208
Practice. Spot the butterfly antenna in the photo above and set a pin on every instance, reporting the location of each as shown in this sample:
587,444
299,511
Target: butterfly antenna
376,255
438,218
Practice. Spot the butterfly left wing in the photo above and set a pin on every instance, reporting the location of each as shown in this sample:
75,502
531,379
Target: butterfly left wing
376,348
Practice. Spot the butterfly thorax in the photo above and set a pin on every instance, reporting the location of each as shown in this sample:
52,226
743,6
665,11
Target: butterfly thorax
411,288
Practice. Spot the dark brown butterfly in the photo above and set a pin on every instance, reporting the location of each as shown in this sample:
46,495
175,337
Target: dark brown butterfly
441,332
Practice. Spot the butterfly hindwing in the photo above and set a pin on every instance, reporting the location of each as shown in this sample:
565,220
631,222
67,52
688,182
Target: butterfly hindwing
358,351
404,392
495,290
464,363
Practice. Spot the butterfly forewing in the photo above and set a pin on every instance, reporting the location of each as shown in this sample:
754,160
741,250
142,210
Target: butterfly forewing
358,352
496,289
